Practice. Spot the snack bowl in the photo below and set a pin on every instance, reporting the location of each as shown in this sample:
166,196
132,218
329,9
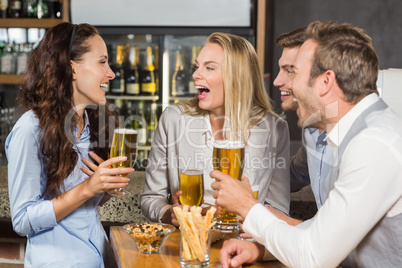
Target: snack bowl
216,235
149,236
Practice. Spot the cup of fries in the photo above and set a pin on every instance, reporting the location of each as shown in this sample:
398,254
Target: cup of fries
195,235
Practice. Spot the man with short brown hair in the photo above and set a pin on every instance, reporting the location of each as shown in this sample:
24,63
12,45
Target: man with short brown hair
360,221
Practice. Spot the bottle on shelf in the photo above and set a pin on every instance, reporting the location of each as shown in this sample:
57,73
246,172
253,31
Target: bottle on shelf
156,61
133,85
3,8
148,82
117,84
136,123
124,110
140,124
8,60
152,122
22,57
41,9
15,8
191,87
28,9
54,7
2,48
117,103
179,78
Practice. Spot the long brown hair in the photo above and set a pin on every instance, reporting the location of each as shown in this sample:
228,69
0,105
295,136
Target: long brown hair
48,91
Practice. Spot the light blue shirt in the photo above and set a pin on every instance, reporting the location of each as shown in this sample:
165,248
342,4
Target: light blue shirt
319,159
78,240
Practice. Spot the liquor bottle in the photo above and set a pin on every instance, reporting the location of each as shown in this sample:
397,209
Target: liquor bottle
133,75
15,8
117,84
139,124
148,82
8,60
179,78
116,108
2,49
41,10
156,57
152,122
22,58
28,9
124,111
3,8
54,8
191,87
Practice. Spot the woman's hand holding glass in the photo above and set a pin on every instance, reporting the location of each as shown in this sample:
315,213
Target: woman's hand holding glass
191,193
103,178
124,143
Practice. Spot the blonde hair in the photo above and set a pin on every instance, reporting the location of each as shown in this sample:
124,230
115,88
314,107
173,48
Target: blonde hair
246,100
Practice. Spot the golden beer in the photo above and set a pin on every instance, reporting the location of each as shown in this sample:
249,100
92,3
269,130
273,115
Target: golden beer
228,157
124,143
255,189
192,187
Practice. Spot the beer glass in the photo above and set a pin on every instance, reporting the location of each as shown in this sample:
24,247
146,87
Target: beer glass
228,157
124,144
192,187
255,188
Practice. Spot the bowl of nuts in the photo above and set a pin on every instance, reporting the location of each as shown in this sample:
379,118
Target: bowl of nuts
149,236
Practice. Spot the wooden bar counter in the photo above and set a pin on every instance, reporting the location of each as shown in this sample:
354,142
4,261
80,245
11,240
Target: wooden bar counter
127,256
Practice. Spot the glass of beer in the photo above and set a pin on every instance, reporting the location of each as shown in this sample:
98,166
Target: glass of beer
192,187
124,144
228,157
255,188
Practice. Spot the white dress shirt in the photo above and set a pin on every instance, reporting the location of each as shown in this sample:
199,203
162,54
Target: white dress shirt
369,187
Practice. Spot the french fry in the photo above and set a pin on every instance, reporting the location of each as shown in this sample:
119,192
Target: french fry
184,226
209,216
196,238
195,230
186,249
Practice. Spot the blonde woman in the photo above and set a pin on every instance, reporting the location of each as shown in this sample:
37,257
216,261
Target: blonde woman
231,101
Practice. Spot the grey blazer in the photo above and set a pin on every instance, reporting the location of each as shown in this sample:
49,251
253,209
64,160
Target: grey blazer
184,141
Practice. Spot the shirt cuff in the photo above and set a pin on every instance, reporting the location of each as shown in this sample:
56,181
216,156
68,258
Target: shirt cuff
256,221
42,216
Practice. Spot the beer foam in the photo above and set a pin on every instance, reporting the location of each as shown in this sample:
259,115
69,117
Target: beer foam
228,144
192,172
125,131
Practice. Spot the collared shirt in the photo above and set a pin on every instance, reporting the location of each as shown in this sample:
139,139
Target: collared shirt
78,240
183,141
368,188
319,159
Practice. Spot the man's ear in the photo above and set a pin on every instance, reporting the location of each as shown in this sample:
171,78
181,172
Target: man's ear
328,80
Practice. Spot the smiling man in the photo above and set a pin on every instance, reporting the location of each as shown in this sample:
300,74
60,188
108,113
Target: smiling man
360,222
312,162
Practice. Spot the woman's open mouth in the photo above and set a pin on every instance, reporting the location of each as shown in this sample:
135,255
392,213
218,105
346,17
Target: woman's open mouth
202,92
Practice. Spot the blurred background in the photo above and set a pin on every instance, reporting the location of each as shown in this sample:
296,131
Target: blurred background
152,45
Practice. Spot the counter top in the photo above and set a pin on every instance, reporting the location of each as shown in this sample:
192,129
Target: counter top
117,209
127,255
127,209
